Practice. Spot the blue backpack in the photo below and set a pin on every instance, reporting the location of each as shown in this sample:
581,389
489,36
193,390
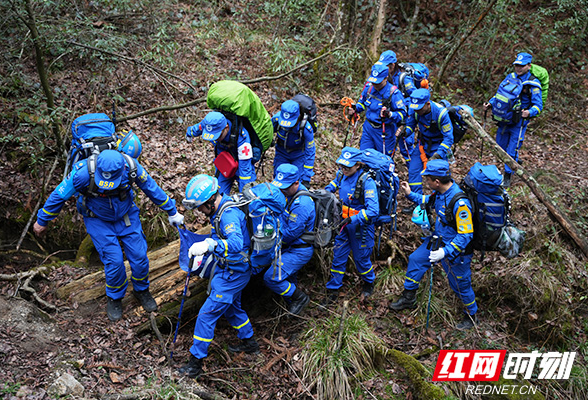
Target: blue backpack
417,71
91,133
507,101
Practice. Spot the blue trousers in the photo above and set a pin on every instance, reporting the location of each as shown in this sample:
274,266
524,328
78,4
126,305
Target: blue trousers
415,167
350,239
224,299
458,273
106,236
371,138
225,184
510,138
293,259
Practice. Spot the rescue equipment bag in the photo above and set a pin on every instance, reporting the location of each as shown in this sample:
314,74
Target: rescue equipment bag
327,217
418,72
244,109
541,73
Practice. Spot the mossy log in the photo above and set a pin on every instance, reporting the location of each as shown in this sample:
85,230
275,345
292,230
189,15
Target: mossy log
84,251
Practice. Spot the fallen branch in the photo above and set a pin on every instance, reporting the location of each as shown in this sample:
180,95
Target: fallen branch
503,156
161,341
341,323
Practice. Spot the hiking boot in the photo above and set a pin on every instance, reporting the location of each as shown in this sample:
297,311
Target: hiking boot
298,301
248,346
408,210
368,289
407,300
114,309
332,297
468,322
193,369
506,180
146,300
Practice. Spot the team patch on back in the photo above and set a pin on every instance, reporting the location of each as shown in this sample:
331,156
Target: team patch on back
463,218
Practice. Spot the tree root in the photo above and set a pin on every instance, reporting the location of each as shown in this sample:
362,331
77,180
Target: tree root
28,276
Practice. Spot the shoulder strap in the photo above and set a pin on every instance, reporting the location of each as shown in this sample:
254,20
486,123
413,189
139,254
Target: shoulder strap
358,192
91,172
132,167
441,114
296,195
450,216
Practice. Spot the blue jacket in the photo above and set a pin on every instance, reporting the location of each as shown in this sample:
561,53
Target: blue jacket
233,225
371,101
436,130
455,241
368,207
531,98
298,219
244,151
290,141
106,208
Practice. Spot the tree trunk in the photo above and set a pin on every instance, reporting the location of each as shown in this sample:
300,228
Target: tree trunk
559,215
377,33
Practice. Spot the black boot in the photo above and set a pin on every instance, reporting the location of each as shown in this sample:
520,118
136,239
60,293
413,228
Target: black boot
408,210
332,297
468,322
368,289
146,300
248,346
114,309
407,300
506,180
298,301
193,369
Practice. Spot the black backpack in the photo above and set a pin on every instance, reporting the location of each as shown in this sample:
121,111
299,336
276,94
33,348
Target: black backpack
308,111
327,217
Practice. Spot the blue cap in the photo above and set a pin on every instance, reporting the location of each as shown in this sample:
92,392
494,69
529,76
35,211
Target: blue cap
437,168
349,156
109,168
286,175
523,59
419,98
388,57
213,125
379,72
289,114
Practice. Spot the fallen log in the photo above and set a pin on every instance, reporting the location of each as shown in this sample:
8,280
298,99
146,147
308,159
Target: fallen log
503,156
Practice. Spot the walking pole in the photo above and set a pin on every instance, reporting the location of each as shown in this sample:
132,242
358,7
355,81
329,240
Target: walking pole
484,128
383,137
435,239
171,355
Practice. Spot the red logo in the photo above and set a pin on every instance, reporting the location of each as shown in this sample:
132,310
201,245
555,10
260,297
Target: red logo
469,365
245,150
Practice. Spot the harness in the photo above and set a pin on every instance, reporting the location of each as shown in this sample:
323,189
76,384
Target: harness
307,236
450,217
385,103
282,142
429,141
358,193
243,206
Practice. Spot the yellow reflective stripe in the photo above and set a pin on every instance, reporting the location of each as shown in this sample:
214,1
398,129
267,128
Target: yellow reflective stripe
242,325
536,108
309,166
410,279
365,215
424,198
49,213
202,339
244,178
118,287
401,116
226,247
162,204
339,272
363,273
141,279
444,145
286,291
333,183
361,105
469,304
415,184
456,246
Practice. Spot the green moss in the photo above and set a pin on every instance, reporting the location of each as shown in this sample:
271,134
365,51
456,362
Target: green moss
417,374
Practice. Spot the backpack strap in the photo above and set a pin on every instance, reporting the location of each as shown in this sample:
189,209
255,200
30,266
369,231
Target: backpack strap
91,190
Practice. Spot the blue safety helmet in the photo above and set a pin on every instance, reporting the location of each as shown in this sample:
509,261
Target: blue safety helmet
130,144
199,190
419,216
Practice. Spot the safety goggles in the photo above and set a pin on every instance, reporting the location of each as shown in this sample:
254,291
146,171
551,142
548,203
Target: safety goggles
191,204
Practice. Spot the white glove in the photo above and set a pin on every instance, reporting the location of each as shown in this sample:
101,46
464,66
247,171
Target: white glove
198,249
176,220
211,243
437,255
196,263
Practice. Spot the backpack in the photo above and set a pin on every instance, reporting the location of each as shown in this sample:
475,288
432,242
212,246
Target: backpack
490,202
507,101
459,125
541,73
417,71
120,192
91,133
328,213
244,109
380,168
308,111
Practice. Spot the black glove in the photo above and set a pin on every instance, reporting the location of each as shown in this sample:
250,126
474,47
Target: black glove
346,221
435,156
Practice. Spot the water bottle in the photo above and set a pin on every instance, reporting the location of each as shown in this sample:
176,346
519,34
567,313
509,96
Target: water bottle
269,230
426,228
259,231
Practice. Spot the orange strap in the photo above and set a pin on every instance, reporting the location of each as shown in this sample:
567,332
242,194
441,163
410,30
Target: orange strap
349,212
423,155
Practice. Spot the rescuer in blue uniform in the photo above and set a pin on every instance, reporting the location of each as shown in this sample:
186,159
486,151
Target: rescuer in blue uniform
383,104
357,228
217,129
106,202
452,252
294,144
295,221
229,249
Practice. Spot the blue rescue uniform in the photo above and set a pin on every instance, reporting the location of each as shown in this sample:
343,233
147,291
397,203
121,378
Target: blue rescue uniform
435,136
358,235
294,147
454,242
510,136
231,275
109,219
